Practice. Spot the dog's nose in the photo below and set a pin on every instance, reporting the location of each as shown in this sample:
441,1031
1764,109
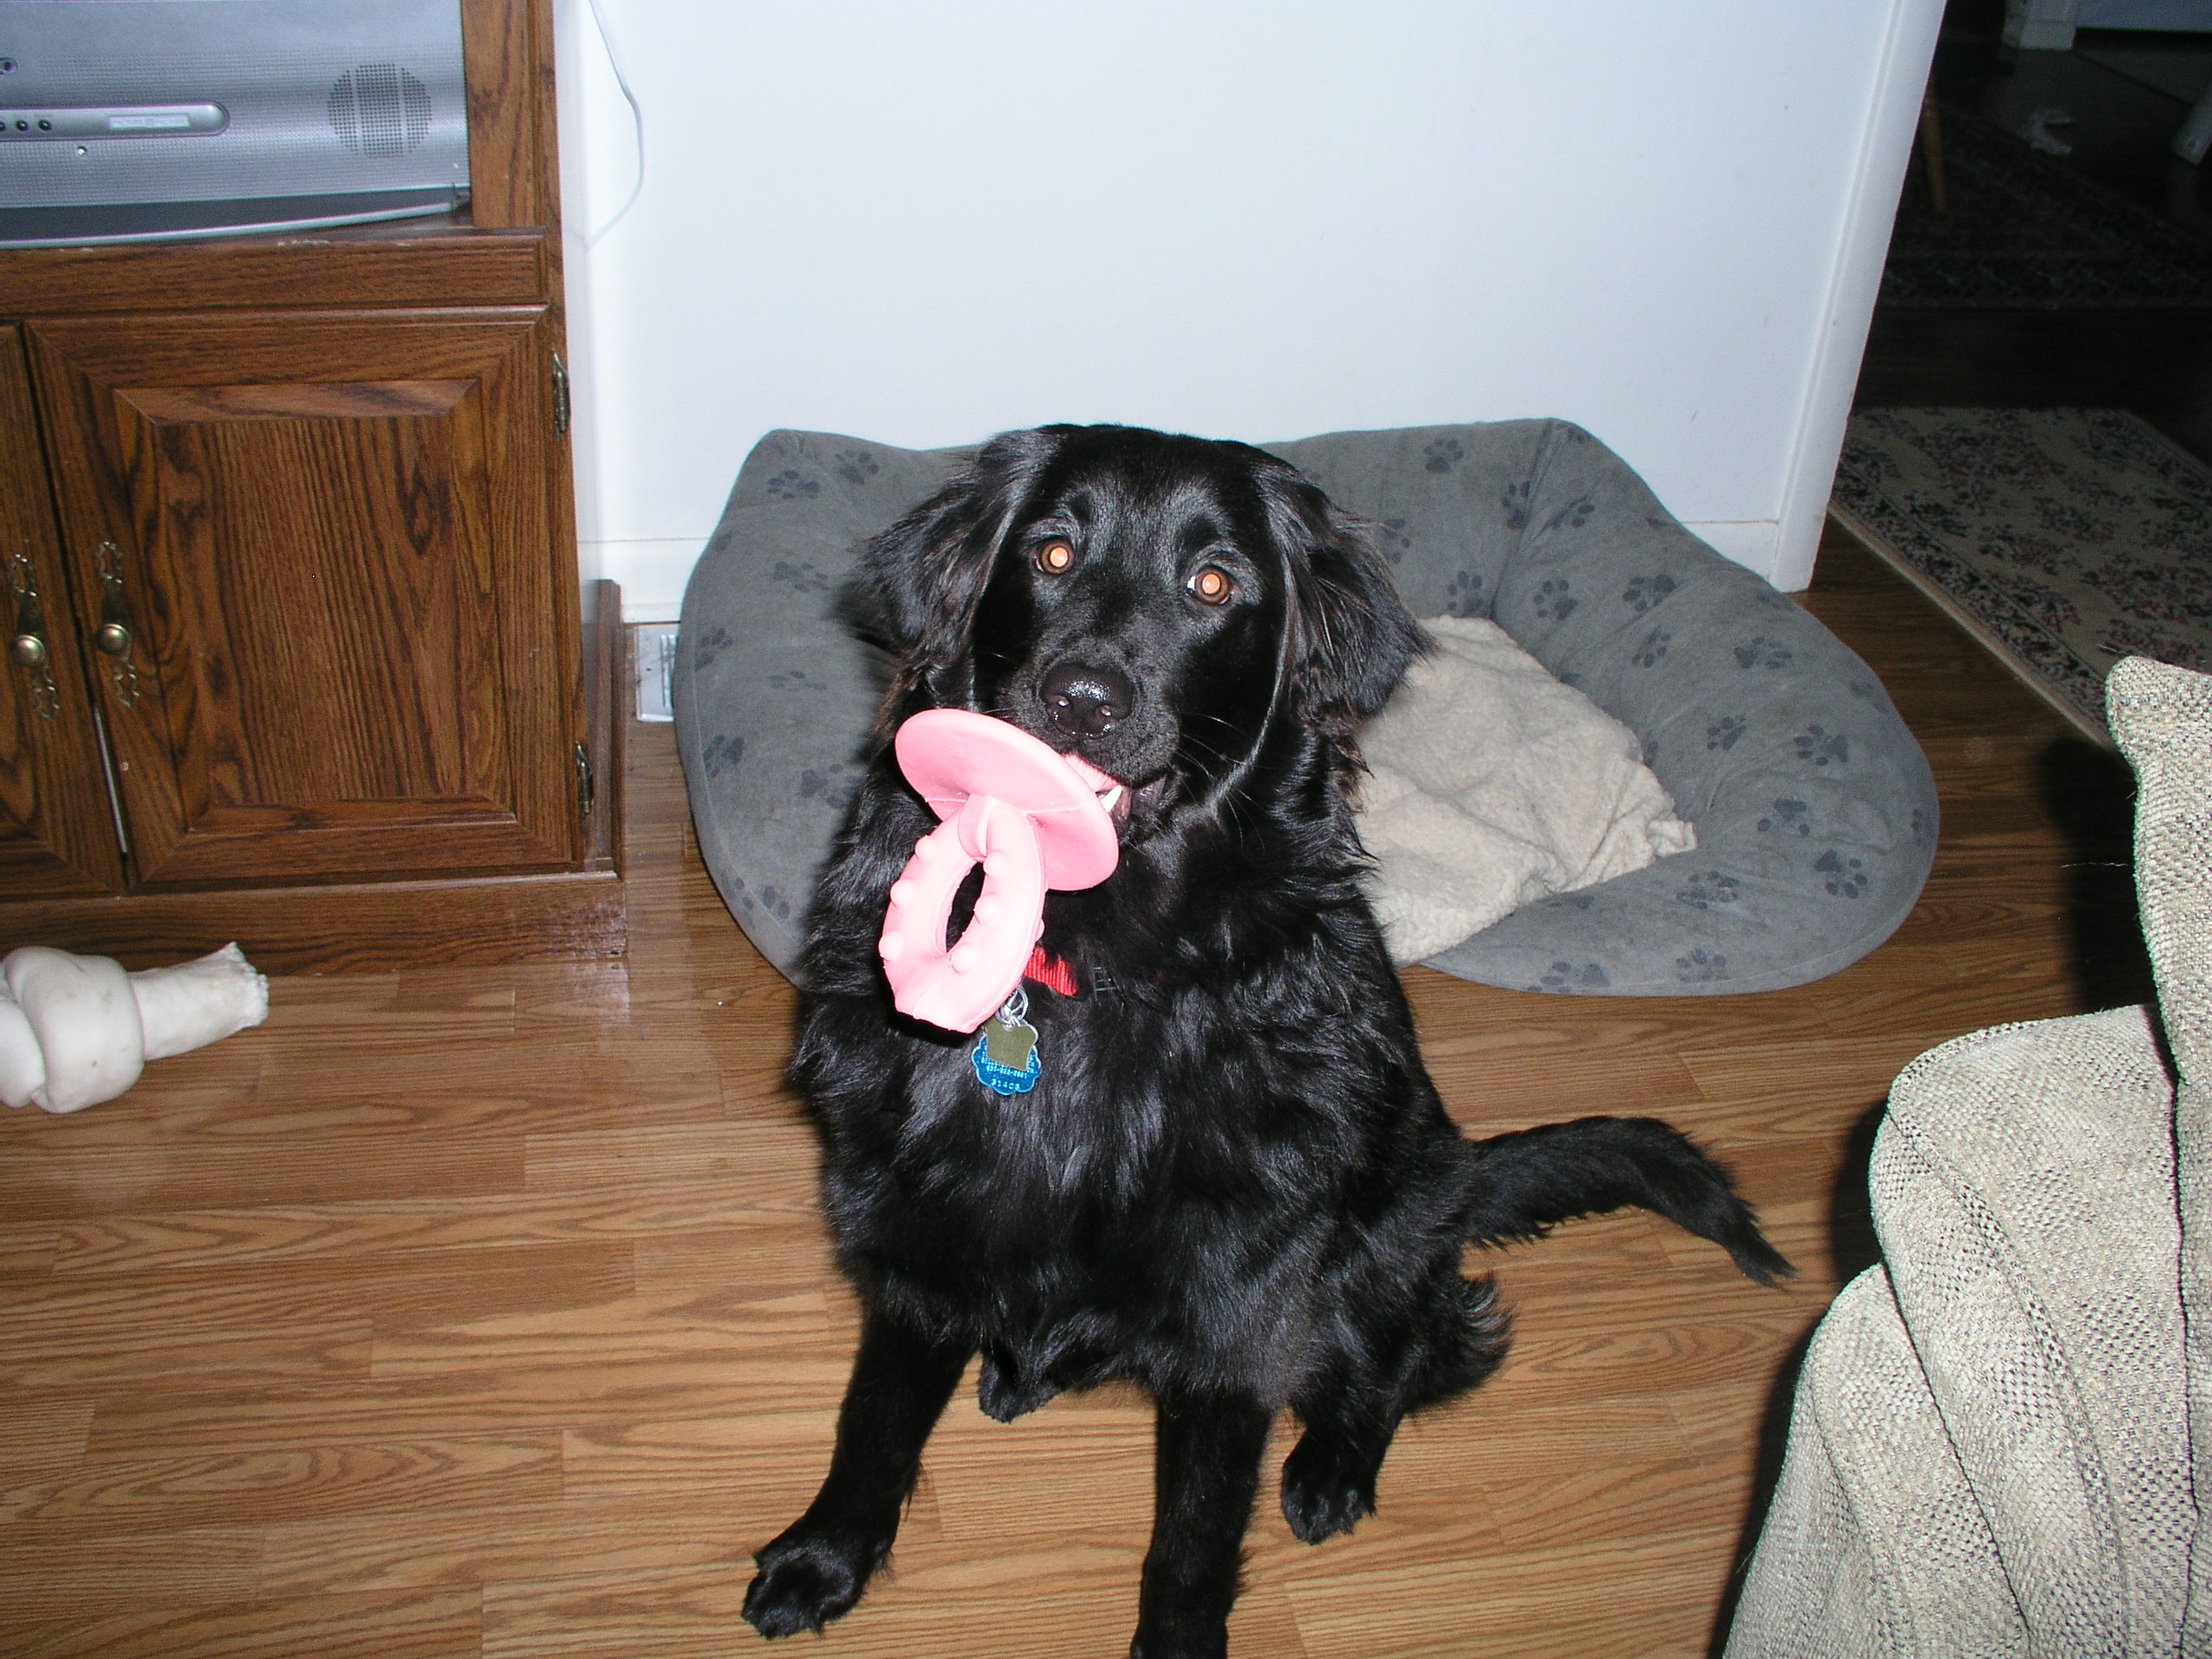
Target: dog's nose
1086,701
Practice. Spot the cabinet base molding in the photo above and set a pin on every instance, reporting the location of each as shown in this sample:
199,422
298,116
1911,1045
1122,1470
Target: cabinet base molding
371,927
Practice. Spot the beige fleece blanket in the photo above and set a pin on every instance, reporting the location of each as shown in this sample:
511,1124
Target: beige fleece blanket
1495,785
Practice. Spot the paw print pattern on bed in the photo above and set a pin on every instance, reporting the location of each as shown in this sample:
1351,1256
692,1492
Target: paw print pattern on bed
793,486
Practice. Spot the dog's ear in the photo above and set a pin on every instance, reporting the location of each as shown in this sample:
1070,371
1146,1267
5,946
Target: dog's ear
932,566
1352,637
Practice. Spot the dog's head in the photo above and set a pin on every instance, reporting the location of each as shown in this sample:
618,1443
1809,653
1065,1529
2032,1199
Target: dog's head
1173,609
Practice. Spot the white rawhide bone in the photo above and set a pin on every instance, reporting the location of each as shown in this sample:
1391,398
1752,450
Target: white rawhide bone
75,1031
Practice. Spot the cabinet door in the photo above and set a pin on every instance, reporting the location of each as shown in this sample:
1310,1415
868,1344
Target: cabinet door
57,831
352,644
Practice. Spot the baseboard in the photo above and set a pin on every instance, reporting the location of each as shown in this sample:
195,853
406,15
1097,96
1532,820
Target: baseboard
652,573
1755,543
362,928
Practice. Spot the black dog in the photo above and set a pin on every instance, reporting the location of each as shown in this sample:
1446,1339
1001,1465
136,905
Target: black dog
1233,1182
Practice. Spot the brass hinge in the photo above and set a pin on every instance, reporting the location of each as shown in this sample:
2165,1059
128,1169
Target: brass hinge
560,397
587,790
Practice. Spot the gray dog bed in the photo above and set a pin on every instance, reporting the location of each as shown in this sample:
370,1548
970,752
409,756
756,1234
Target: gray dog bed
1815,812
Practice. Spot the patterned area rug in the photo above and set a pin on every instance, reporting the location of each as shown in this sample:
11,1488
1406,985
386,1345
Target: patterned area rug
2064,539
2026,230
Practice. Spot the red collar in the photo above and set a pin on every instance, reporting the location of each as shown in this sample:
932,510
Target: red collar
1050,972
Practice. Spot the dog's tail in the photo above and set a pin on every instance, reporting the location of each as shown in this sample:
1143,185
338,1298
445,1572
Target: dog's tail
1521,1184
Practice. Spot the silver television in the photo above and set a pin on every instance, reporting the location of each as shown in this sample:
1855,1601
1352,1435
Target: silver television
153,120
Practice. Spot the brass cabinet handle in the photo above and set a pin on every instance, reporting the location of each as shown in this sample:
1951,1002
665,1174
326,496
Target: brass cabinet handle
29,649
113,635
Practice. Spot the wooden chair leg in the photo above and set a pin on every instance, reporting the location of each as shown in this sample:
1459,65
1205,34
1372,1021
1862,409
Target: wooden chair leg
1931,150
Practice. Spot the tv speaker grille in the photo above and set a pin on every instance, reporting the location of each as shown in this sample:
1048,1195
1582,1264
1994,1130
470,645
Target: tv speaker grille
380,109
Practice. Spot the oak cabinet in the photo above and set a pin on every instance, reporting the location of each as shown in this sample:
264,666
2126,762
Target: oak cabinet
297,652
346,654
57,833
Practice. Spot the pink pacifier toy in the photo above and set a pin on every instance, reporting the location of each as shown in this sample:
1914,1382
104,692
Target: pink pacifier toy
1033,817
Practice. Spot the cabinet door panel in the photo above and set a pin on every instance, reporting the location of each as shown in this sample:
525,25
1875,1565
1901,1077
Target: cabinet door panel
373,636
332,536
57,833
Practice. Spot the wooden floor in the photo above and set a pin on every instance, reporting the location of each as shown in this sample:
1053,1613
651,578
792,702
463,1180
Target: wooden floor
485,1311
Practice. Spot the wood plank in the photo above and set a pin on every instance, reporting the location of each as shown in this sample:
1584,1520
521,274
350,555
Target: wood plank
407,1626
60,1181
132,1243
87,1358
60,1321
1658,1592
126,1495
40,1432
547,1541
107,1573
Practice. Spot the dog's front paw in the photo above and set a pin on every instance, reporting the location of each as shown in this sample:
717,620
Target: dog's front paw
1327,1487
802,1583
1203,1636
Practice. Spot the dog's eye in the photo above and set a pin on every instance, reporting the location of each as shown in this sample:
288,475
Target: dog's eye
1056,557
1209,585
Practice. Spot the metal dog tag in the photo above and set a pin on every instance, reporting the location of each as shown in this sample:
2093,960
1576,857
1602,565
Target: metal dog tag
1005,1056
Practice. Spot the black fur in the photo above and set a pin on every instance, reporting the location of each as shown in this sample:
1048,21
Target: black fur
1234,1184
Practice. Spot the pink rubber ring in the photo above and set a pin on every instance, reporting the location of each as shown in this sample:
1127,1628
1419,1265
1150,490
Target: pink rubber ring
1030,816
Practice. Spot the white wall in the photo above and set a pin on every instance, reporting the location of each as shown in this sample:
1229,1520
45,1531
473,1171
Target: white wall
922,223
